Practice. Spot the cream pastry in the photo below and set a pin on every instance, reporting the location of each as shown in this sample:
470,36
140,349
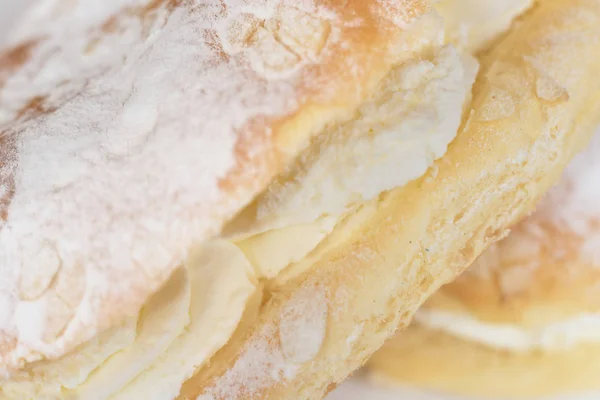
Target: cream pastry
236,199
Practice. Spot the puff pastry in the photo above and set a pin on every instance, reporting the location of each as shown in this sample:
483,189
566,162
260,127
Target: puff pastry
244,199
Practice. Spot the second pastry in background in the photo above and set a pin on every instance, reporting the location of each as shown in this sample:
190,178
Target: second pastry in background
524,320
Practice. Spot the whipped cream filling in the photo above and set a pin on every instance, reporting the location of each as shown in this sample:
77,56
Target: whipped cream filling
559,335
395,138
153,354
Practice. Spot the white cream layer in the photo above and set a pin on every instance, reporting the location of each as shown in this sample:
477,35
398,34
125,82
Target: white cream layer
581,328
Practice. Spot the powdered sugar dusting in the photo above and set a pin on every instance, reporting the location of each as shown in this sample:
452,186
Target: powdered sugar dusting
572,208
518,254
277,353
400,11
302,326
118,127
51,63
261,365
575,203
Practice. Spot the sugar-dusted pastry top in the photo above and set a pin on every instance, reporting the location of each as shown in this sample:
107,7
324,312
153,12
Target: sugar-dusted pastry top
295,308
199,310
131,130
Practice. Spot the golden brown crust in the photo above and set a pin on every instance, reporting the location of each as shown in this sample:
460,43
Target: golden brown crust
259,78
546,270
392,254
433,360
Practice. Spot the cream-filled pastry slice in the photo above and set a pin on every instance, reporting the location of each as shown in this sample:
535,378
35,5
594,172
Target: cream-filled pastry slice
405,127
251,174
374,239
109,179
